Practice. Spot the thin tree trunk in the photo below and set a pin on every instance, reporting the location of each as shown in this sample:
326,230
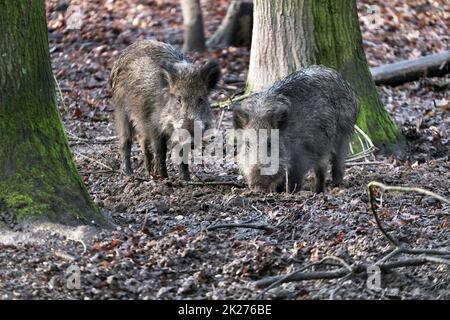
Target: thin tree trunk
236,27
194,36
292,34
38,178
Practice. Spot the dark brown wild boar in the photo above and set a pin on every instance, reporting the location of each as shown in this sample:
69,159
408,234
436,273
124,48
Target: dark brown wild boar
157,90
315,110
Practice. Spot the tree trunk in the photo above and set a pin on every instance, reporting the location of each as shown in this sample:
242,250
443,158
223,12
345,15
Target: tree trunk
292,34
194,36
38,178
236,28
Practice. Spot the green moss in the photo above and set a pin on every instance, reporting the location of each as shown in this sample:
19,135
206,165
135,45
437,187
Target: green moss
335,39
24,205
379,125
38,178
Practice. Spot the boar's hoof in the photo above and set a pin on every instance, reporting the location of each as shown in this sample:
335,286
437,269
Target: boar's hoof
127,170
184,171
319,189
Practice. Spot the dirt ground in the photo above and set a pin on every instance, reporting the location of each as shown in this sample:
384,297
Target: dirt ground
162,248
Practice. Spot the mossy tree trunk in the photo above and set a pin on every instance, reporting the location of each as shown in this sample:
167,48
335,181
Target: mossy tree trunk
291,34
38,178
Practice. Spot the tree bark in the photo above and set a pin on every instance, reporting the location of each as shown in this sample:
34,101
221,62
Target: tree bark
291,34
38,178
194,36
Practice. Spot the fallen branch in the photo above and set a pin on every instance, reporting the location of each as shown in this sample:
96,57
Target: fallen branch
411,70
372,185
216,183
342,272
241,225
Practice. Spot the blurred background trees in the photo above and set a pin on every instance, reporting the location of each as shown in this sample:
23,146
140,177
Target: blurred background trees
194,36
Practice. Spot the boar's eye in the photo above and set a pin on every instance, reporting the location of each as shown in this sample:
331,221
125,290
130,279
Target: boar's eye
201,100
179,99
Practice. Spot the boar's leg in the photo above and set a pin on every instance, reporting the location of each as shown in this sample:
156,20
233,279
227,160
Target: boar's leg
159,147
125,135
320,172
184,169
295,177
148,157
338,162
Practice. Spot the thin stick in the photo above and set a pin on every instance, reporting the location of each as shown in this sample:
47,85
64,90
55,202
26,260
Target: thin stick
230,101
342,272
216,183
241,225
383,187
94,160
297,272
222,114
372,185
367,163
99,140
61,96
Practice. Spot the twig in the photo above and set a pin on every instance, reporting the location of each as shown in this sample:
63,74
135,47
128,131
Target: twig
367,163
144,223
342,272
273,281
366,145
96,171
61,96
437,256
82,243
216,183
288,277
222,114
96,161
257,210
241,225
374,184
230,101
99,140
341,281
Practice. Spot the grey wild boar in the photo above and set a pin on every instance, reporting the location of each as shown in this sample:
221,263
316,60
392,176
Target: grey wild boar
315,110
157,90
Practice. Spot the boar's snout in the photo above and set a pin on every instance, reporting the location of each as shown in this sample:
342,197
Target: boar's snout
196,126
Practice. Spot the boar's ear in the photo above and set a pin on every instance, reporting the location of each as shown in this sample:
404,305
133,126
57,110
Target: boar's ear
210,72
279,117
168,73
240,118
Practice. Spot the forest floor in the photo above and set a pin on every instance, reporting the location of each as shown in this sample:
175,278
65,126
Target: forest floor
162,248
